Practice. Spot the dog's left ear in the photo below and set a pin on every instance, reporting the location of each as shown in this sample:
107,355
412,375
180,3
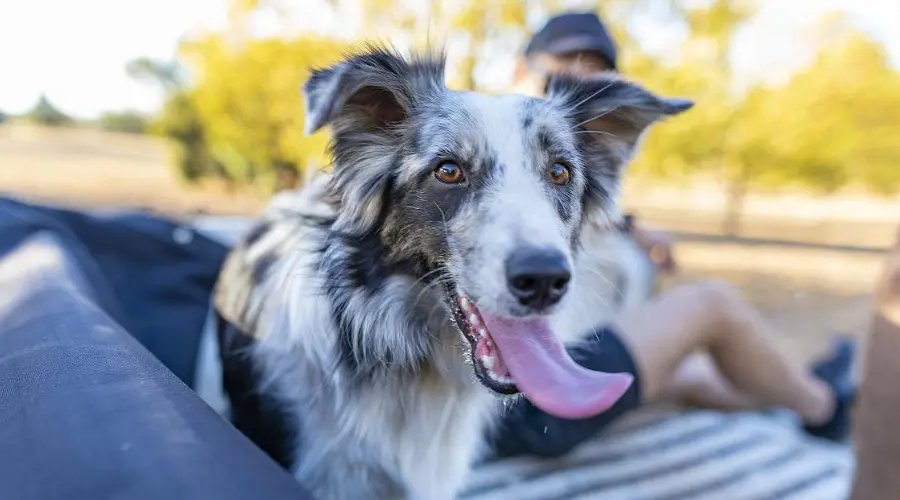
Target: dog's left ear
610,111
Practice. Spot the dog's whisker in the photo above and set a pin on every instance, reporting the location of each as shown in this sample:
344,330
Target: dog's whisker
426,275
609,309
424,290
437,307
596,132
613,316
601,115
593,95
443,221
606,280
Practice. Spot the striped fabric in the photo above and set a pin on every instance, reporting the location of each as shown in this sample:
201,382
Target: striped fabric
665,454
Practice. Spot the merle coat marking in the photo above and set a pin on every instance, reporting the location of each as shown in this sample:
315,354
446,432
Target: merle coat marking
341,357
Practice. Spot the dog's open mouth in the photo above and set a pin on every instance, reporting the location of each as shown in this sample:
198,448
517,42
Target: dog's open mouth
489,367
523,354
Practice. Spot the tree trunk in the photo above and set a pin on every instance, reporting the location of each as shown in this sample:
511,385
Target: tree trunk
468,71
477,37
878,404
734,207
286,176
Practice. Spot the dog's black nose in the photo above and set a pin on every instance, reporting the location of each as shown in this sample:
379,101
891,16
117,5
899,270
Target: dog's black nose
538,277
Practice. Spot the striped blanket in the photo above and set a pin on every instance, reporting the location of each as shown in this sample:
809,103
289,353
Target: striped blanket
667,454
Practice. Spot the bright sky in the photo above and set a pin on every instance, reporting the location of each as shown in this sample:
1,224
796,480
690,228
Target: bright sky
76,51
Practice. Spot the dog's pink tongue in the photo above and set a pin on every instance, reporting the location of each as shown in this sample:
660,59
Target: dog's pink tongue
547,375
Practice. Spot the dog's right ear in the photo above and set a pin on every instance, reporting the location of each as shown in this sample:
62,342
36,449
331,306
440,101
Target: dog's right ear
367,99
372,90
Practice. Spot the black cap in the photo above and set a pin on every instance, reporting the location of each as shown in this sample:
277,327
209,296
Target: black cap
571,33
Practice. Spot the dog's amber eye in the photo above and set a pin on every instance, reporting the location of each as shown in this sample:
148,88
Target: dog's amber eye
449,173
558,174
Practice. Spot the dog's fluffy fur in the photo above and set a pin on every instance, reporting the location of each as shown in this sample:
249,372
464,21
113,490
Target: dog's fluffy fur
341,352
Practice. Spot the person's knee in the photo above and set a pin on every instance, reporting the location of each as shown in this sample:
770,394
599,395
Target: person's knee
723,303
719,293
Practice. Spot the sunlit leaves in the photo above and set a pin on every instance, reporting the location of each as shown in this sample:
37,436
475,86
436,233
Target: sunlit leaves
250,103
832,124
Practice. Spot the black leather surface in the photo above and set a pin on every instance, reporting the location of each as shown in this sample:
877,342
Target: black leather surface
86,412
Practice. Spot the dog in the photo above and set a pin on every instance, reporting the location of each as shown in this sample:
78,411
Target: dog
371,324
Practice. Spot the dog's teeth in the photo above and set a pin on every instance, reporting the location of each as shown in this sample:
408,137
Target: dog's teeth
488,362
473,319
483,333
464,304
499,378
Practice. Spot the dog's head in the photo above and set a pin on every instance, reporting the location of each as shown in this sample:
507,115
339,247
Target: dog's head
490,192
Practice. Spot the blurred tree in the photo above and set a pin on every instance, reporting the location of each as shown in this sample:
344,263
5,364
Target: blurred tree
249,101
471,30
831,125
706,139
3,117
129,122
178,121
843,118
481,23
45,113
168,74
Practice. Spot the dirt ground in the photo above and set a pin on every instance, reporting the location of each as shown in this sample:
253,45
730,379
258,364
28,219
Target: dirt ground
811,288
88,168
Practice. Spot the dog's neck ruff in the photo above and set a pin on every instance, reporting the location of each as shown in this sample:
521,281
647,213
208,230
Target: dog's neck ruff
389,317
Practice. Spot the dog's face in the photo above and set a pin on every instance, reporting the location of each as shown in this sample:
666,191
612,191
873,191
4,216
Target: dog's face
489,193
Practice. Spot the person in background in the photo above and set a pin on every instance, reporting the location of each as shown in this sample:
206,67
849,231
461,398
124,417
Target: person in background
698,344
579,44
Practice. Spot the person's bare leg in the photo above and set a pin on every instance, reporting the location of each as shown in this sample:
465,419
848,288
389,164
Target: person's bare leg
874,426
664,332
698,382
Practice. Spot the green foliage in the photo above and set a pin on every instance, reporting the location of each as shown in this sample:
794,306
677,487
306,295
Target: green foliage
167,74
129,122
45,113
845,111
831,125
3,117
242,119
249,103
483,22
180,122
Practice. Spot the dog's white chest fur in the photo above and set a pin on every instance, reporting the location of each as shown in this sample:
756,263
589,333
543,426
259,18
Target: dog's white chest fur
414,443
408,436
432,443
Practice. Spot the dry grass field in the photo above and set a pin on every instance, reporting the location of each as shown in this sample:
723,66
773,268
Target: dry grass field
89,168
796,266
